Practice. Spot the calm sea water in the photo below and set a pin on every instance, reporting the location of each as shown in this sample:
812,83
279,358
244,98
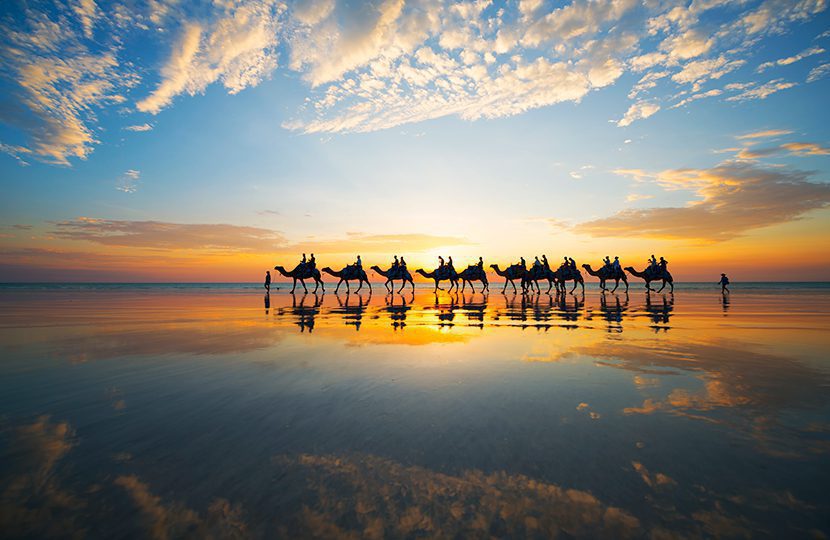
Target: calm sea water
185,411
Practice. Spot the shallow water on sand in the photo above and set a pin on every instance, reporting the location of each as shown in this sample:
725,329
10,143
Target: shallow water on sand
177,413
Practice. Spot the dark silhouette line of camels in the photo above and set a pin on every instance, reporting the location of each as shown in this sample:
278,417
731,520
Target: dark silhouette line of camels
528,278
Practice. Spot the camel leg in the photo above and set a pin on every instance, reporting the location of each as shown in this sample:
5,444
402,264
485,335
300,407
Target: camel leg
505,287
663,287
302,282
369,285
359,285
582,284
486,284
672,285
616,284
514,286
338,286
295,286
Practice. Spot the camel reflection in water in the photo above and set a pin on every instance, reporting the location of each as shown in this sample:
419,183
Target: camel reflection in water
444,310
302,313
351,312
397,312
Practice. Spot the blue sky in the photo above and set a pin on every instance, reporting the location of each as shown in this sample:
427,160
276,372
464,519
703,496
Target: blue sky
478,127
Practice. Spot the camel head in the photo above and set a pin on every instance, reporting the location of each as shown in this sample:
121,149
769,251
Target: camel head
586,266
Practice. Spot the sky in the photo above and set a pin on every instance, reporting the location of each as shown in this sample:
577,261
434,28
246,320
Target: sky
172,140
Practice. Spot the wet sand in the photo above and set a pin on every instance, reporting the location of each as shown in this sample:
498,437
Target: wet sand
192,413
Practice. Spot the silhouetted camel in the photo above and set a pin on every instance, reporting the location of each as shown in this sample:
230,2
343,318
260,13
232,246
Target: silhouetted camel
605,274
509,274
473,273
653,274
442,273
564,274
537,274
301,273
395,272
347,274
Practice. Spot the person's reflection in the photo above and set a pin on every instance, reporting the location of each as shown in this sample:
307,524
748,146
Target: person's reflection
267,302
725,302
352,313
397,313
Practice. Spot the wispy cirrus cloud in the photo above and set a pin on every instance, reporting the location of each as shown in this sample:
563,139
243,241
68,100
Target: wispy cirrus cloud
128,182
139,127
159,235
764,134
806,53
818,73
729,199
238,48
793,148
751,91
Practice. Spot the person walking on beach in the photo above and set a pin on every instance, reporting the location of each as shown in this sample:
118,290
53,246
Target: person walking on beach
268,280
724,281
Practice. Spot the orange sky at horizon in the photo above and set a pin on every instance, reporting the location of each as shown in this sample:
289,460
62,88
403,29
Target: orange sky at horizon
44,255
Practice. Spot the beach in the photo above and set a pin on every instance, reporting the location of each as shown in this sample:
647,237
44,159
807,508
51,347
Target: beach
198,410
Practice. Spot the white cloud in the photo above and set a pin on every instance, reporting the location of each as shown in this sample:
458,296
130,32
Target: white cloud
638,111
761,91
139,127
128,182
818,73
699,71
701,95
238,49
812,51
60,81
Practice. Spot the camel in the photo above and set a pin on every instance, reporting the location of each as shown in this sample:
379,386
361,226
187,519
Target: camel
301,273
473,273
653,274
347,274
564,274
511,273
605,274
442,273
394,273
536,274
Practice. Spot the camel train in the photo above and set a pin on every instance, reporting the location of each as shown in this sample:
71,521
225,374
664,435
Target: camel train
528,278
